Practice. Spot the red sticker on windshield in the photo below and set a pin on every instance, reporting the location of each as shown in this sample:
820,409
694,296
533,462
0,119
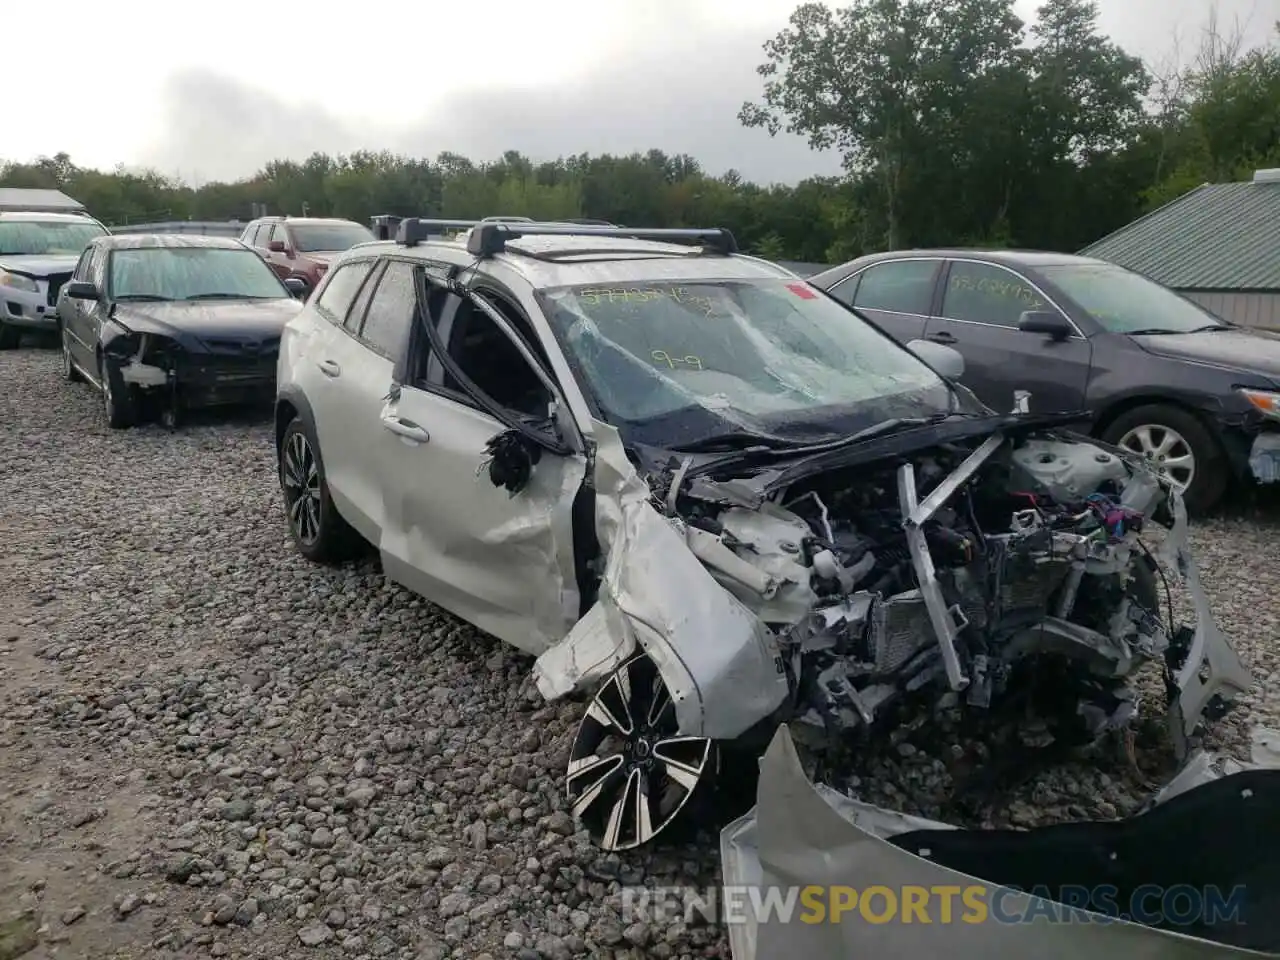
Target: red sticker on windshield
802,291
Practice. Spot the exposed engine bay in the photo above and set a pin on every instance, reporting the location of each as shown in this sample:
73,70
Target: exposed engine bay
951,569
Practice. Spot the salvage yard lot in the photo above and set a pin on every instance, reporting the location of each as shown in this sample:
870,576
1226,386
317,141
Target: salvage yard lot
209,747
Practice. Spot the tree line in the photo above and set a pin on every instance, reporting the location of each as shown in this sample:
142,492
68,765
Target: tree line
957,124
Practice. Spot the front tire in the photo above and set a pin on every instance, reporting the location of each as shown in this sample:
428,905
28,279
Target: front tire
631,774
10,337
318,530
118,402
1178,446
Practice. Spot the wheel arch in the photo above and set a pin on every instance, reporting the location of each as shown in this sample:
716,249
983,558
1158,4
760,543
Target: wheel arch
1119,408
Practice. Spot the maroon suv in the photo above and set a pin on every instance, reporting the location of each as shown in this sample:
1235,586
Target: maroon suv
303,247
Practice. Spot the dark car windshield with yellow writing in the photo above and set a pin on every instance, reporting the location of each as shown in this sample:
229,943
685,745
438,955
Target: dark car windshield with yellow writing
757,353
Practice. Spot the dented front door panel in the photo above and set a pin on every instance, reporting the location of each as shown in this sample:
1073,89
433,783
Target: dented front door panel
503,562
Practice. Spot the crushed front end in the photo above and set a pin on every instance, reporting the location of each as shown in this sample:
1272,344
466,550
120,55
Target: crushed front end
169,372
964,567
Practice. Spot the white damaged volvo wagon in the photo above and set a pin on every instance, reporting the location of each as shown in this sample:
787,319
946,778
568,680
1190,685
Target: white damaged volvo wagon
710,499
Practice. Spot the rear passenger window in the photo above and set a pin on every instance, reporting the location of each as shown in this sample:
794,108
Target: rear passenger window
250,235
338,294
390,315
901,286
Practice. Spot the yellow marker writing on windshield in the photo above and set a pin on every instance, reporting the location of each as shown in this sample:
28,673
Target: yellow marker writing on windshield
661,356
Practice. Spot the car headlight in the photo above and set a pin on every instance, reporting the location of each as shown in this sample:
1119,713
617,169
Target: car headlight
16,281
1264,401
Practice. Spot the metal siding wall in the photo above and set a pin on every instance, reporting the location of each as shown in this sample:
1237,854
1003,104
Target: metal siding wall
1247,309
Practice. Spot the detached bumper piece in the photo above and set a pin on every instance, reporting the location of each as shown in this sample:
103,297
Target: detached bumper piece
1194,877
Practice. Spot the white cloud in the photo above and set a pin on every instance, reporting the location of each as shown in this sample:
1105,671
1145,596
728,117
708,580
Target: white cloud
214,91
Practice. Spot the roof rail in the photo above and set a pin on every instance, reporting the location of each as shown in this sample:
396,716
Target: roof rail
411,231
486,239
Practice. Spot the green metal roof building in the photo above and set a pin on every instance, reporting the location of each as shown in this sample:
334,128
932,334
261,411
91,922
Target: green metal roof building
1218,245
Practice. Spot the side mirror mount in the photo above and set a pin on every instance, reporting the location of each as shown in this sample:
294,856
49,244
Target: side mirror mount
296,286
276,246
1051,324
946,360
83,290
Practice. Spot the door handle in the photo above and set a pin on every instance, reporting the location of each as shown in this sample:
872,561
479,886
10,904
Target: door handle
329,368
942,337
406,428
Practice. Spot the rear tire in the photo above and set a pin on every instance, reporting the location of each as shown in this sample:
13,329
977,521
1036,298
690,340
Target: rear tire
318,530
69,371
1177,444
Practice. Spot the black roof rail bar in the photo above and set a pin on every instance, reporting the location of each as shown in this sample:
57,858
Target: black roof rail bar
486,239
413,230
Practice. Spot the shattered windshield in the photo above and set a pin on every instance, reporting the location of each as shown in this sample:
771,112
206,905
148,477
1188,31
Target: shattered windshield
49,238
768,356
192,273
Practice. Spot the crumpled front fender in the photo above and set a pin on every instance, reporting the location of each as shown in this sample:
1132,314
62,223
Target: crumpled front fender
719,662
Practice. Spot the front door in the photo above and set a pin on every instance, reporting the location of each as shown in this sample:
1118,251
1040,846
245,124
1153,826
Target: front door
84,318
500,558
981,306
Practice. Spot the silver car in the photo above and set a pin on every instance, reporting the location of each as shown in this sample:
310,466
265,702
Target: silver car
38,252
714,499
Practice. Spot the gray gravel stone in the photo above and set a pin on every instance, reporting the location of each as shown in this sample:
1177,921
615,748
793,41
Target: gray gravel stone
323,758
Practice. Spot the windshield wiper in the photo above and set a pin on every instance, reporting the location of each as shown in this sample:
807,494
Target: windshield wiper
1151,331
1211,326
740,440
221,296
143,296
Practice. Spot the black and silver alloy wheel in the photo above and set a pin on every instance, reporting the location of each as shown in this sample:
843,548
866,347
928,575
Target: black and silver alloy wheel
300,479
630,772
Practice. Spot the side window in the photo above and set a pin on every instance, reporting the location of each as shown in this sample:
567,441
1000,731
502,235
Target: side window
343,284
982,293
82,265
246,235
390,315
846,289
98,267
903,286
256,236
494,363
355,316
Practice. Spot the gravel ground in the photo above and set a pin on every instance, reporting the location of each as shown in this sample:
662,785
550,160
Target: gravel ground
209,747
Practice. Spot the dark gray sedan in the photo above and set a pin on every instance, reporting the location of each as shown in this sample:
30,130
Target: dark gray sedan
1159,374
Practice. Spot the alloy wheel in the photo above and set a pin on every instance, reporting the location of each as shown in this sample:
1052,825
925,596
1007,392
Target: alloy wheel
300,477
1165,450
68,369
630,771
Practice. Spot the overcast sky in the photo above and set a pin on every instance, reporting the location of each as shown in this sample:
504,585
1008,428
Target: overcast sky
212,91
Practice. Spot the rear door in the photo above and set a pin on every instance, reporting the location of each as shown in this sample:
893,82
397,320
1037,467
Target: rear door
500,559
896,295
979,312
337,377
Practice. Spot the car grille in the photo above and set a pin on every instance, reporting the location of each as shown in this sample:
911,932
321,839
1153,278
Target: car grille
231,360
56,280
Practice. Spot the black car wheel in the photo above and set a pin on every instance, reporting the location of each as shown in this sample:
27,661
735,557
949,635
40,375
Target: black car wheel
1179,447
117,399
69,371
319,531
631,774
9,337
